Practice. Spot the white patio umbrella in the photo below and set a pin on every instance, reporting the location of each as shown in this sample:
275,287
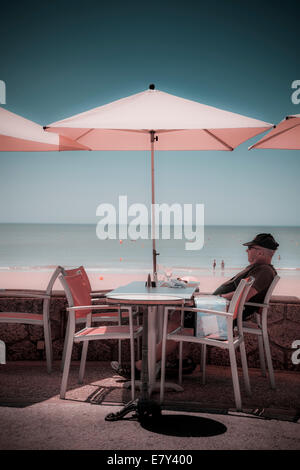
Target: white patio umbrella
284,136
154,120
18,134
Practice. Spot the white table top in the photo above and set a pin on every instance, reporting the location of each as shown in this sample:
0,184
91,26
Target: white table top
138,292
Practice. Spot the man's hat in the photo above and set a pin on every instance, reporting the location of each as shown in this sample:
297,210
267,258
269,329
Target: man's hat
266,240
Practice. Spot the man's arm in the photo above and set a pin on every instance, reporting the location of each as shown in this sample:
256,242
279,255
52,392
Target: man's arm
251,293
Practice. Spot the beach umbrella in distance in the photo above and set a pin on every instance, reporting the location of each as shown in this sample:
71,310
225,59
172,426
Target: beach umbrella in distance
284,136
18,134
155,120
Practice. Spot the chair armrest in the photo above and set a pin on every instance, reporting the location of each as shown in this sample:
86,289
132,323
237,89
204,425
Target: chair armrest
95,307
100,293
34,295
204,310
253,304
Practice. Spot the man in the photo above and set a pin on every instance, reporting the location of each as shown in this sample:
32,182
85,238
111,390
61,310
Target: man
260,252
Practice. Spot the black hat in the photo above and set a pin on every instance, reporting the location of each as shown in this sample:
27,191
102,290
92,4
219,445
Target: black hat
266,240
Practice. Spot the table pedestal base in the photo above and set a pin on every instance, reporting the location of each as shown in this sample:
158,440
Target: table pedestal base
142,409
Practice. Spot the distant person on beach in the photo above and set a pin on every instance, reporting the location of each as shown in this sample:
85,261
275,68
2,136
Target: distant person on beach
260,252
214,264
222,265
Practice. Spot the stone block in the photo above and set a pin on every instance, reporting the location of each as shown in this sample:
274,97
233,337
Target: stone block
293,313
253,359
251,343
57,308
278,357
283,334
23,350
56,331
12,332
217,356
57,348
100,351
36,332
276,313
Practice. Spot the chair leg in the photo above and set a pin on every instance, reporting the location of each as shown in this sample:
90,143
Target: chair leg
47,335
132,356
245,368
269,359
261,355
203,363
132,361
48,351
119,351
48,346
180,363
119,341
65,345
138,345
67,363
83,361
163,357
235,379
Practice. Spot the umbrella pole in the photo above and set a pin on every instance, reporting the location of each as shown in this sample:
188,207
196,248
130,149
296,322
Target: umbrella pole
153,138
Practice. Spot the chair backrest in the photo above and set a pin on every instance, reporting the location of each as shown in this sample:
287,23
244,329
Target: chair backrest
71,272
236,305
58,270
77,293
271,289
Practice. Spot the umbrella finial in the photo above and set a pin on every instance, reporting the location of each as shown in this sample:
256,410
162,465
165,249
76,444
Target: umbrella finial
152,86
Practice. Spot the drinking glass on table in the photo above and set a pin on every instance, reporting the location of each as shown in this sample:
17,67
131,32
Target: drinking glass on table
160,277
168,273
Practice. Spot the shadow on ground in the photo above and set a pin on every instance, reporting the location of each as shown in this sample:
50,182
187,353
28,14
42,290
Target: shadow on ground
25,383
184,426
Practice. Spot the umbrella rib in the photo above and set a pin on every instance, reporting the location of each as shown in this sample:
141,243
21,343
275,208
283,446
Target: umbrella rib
84,134
275,135
218,139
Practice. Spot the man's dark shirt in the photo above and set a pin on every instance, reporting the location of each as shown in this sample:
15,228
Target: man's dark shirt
263,275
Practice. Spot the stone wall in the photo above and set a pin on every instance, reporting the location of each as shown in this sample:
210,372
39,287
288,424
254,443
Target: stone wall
25,342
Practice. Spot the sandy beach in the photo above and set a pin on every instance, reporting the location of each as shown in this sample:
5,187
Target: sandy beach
38,279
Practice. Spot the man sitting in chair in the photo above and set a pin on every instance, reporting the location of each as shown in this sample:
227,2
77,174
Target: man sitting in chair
260,252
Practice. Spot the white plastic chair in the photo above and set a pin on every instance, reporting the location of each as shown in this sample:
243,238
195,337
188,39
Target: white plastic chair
260,329
109,315
78,296
235,310
30,318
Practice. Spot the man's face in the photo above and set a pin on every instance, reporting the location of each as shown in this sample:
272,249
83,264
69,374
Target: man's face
254,252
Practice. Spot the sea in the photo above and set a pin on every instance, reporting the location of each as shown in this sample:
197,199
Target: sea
43,246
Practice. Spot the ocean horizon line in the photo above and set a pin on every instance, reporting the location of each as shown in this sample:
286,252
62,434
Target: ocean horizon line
149,225
113,268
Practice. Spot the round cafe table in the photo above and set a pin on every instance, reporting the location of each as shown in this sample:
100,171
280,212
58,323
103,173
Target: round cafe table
155,299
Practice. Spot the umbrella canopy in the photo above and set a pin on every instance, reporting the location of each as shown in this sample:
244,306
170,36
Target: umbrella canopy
18,134
286,135
179,124
155,120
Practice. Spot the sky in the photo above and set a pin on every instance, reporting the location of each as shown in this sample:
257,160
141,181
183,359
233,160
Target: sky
60,58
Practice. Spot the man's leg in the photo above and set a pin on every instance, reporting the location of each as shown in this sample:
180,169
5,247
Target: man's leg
173,323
